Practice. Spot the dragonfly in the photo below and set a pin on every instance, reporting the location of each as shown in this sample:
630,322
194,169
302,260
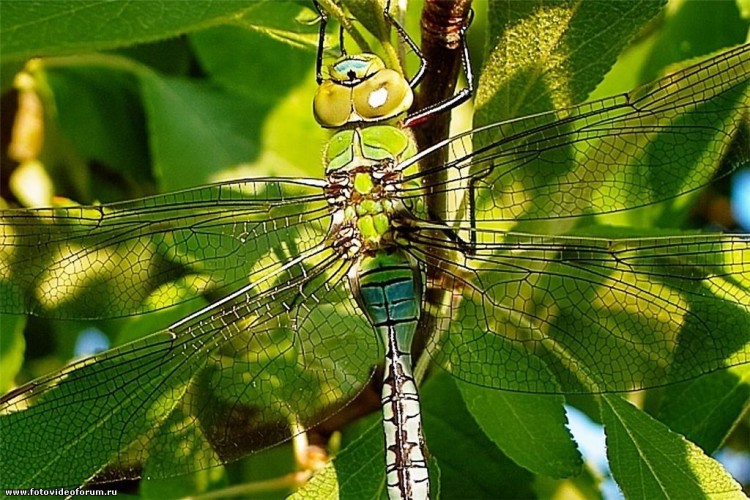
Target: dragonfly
316,281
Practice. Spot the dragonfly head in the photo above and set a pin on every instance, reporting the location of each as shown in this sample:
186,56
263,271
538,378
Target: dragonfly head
360,89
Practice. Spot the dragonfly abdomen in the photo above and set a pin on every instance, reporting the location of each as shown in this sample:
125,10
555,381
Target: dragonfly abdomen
388,288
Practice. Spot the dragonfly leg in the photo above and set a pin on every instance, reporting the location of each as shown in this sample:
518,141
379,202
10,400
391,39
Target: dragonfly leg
472,217
413,81
450,28
322,41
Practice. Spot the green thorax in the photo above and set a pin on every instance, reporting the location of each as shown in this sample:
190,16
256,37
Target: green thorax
362,166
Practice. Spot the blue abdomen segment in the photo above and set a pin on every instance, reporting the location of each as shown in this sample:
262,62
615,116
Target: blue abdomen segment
388,289
390,295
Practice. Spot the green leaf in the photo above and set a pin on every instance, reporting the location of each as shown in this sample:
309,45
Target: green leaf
529,428
83,446
138,326
323,485
56,28
688,33
551,55
241,60
707,409
87,96
172,56
358,471
264,475
471,466
12,348
650,461
370,14
187,485
687,30
196,130
293,23
199,131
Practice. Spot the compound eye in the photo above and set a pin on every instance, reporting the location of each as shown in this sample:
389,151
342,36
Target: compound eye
332,105
382,96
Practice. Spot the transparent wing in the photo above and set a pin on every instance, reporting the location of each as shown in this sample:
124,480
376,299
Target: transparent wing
272,359
553,314
107,261
517,307
657,142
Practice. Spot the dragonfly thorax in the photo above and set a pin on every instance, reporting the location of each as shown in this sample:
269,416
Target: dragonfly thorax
364,178
363,206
